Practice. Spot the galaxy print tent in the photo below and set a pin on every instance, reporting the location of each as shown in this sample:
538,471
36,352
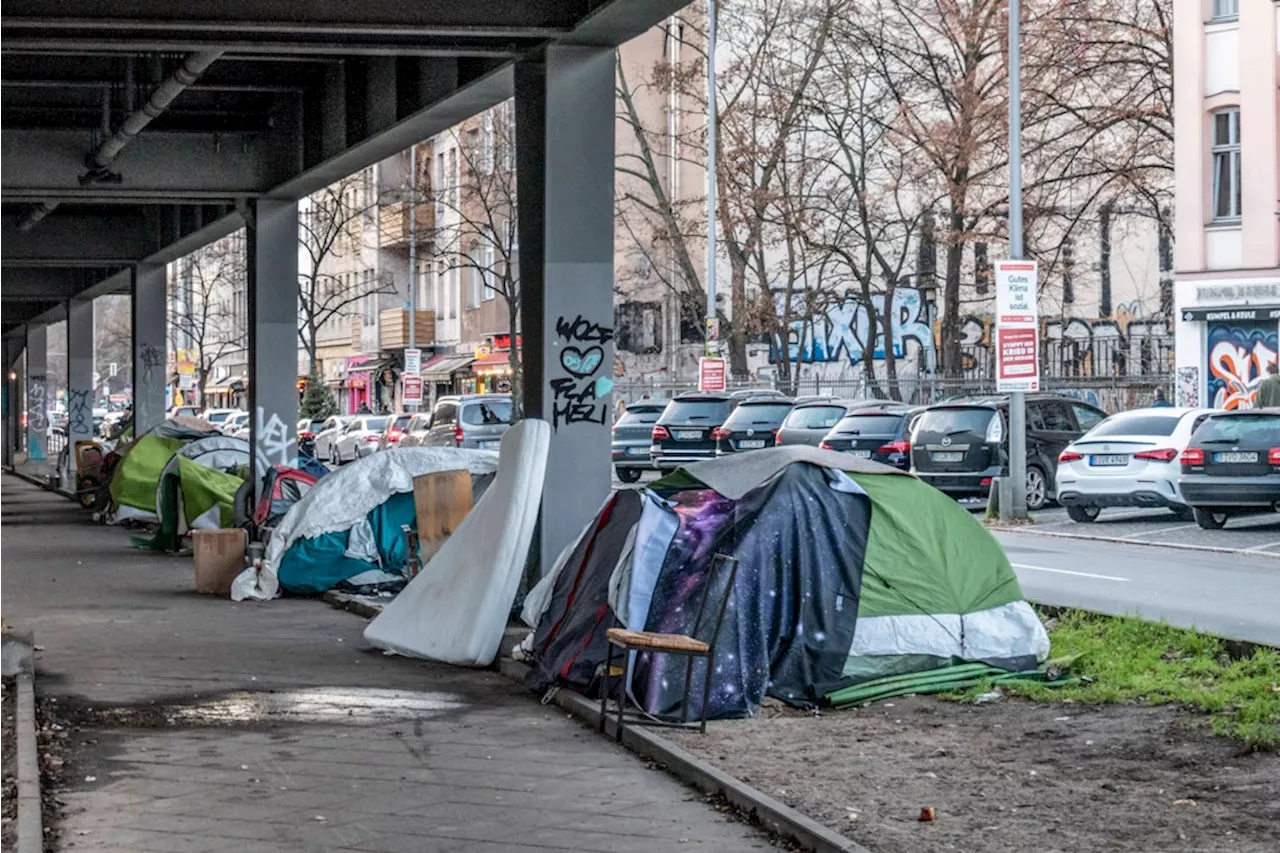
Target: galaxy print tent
848,571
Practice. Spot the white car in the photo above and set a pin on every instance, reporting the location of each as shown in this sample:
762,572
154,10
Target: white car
359,439
235,423
1128,460
326,437
218,417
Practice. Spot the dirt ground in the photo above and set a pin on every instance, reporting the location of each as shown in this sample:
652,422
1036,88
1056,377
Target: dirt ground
1007,776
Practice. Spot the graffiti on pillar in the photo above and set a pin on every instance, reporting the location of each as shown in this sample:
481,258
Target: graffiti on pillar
581,395
152,359
272,438
1187,392
37,404
79,413
1239,356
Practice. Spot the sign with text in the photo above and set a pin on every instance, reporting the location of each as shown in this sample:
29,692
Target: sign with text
1017,327
412,362
711,374
412,395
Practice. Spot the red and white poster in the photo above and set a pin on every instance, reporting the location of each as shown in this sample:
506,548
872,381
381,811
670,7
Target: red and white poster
412,395
1017,327
711,374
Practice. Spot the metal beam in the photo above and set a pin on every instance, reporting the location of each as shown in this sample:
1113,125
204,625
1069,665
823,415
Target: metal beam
30,284
335,47
64,240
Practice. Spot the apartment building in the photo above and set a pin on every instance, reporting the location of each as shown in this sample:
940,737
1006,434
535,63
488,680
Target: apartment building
1227,254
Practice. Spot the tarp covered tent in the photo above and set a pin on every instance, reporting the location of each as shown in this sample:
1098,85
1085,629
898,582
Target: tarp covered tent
344,525
136,473
197,489
848,571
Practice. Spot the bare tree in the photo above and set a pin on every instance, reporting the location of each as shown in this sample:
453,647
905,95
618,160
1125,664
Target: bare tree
482,206
113,338
207,308
333,225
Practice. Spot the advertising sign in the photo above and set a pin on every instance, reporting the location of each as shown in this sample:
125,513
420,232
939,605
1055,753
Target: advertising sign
412,395
711,374
1017,327
412,362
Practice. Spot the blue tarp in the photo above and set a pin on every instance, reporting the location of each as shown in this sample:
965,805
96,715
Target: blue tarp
315,565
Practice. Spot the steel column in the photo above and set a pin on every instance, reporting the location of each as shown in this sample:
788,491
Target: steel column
80,354
150,348
37,398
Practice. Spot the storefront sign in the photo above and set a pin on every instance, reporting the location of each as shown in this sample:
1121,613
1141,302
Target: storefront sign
1227,315
1222,292
412,362
412,395
1017,327
711,374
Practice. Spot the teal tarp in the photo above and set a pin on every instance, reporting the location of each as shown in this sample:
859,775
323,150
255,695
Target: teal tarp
315,565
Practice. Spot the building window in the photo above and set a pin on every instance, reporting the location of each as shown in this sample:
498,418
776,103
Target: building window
487,292
1226,164
1225,10
475,277
442,271
486,142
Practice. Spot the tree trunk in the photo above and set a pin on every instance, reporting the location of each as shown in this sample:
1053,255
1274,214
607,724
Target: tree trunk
517,378
951,353
738,304
890,358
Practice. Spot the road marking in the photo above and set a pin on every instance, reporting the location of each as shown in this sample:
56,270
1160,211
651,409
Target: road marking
1065,572
1162,530
1260,548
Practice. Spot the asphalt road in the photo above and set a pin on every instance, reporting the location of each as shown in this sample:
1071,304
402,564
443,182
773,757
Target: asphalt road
1235,595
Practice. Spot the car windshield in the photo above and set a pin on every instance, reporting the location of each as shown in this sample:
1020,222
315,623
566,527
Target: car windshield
814,417
487,413
639,416
948,421
1246,429
401,422
696,411
375,424
1135,425
758,413
871,424
316,426
217,417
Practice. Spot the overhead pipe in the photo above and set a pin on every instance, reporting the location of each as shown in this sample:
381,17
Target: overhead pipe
36,213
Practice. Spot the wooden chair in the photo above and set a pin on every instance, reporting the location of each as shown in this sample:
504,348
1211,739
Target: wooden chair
686,645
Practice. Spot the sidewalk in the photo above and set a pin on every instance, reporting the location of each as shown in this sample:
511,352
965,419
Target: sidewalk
210,725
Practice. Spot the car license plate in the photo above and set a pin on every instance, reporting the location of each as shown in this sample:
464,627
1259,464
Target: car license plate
688,434
948,456
637,451
1236,456
751,444
1114,459
489,445
866,454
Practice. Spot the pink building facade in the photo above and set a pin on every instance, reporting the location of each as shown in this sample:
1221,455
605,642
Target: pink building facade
1227,197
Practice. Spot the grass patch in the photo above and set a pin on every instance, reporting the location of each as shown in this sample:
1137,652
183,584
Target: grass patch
1134,661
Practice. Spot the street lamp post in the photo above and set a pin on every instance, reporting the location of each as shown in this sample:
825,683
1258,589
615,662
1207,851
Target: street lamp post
711,173
1017,400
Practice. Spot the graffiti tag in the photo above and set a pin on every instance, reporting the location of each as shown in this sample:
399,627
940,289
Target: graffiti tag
841,331
37,405
1238,361
580,396
152,358
272,438
79,414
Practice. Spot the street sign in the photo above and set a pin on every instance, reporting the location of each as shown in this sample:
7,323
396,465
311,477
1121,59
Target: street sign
1017,327
711,374
412,395
412,362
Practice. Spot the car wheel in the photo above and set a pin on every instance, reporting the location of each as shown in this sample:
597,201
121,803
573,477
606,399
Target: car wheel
1210,520
1037,488
1082,514
628,475
1184,513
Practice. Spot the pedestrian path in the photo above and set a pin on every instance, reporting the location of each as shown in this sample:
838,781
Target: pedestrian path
209,725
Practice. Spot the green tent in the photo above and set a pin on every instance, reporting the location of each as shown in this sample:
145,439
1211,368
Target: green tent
136,476
197,489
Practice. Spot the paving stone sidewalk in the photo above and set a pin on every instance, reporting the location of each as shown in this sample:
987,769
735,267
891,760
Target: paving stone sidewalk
274,727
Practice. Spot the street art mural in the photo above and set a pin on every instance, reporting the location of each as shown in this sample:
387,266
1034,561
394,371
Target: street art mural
841,332
1239,354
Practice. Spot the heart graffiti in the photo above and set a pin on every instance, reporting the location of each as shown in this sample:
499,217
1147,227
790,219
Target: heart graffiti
581,362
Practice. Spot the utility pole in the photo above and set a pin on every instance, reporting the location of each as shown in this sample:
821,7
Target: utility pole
711,172
1017,399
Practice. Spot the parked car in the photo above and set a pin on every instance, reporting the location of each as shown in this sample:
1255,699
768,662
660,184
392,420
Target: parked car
959,447
218,417
415,433
359,439
632,437
880,434
394,431
752,424
308,428
330,432
187,411
234,422
810,422
744,393
477,421
1232,466
682,433
1130,459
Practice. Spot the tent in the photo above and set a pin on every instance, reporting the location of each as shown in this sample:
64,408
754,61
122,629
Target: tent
847,571
197,489
347,527
136,471
282,487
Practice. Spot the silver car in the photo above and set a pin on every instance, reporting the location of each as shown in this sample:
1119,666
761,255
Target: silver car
415,434
475,421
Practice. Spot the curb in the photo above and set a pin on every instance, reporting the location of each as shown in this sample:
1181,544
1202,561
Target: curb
351,603
1031,529
774,816
30,822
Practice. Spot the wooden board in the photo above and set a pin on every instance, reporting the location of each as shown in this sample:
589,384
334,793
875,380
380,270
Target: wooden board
440,501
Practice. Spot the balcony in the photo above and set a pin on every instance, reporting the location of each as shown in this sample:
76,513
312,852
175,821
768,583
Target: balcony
393,329
393,224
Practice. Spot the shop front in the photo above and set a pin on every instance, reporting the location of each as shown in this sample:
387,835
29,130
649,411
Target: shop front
442,375
356,385
492,373
1227,336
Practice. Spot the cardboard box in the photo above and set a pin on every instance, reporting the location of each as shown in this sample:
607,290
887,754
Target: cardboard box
218,557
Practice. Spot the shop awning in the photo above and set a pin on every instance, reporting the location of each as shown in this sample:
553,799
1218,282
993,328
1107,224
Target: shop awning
493,364
1231,313
441,368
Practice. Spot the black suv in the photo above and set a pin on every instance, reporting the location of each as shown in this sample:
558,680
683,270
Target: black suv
958,447
881,434
683,431
752,424
1232,466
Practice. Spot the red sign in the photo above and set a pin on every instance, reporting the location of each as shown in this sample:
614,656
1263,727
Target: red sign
412,390
1017,359
711,374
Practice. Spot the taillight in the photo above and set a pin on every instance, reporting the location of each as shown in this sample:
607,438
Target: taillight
895,447
306,435
720,432
1070,456
777,436
457,435
1192,456
394,436
825,446
371,438
1273,456
1167,454
660,431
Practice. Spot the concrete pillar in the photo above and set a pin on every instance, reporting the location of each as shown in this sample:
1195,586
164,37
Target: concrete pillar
12,397
37,402
80,352
565,117
150,348
273,332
